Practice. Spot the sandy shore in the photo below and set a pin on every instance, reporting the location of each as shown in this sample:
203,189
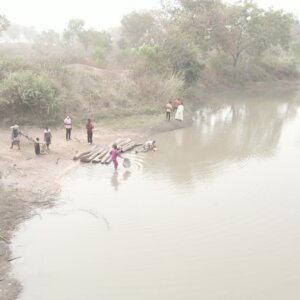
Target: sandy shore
28,181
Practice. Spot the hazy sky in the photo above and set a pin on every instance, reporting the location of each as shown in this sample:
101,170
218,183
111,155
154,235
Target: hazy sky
100,14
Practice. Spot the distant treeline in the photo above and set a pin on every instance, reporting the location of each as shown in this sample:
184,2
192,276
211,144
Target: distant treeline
167,53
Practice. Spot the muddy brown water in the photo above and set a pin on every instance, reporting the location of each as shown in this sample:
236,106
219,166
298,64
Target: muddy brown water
213,214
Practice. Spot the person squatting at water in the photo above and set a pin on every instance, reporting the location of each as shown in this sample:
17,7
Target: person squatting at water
15,136
89,129
68,126
114,155
47,137
149,145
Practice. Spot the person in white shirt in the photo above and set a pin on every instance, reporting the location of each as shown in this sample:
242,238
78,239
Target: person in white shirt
68,126
149,145
179,112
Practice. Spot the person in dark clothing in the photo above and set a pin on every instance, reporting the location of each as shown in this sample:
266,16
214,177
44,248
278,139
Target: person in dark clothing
89,129
47,137
37,147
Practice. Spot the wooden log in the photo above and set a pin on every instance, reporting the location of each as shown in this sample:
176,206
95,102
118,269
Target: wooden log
117,141
127,146
130,147
92,155
108,161
98,158
106,157
80,154
124,142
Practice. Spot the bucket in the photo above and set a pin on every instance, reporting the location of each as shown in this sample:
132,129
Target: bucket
126,163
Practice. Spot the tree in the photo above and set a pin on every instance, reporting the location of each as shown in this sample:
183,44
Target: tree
4,23
29,33
234,29
94,42
96,39
247,29
48,38
74,31
182,55
14,32
135,27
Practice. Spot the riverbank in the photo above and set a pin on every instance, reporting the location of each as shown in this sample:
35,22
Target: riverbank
28,181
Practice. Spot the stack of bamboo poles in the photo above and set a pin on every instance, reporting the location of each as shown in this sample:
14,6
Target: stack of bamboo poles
102,155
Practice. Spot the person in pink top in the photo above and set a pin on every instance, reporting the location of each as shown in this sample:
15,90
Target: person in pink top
114,155
176,103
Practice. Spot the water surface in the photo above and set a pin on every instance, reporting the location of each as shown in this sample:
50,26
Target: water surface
213,214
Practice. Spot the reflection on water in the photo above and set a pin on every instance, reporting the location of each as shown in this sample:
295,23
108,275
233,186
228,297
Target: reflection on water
114,180
223,134
213,214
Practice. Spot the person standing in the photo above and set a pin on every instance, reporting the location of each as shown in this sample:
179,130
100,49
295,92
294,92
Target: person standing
89,129
176,103
114,155
179,112
15,136
47,136
37,147
169,108
68,126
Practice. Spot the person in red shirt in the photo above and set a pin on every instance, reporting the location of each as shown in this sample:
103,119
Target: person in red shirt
89,129
176,103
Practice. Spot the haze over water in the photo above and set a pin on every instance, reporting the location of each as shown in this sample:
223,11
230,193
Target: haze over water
213,214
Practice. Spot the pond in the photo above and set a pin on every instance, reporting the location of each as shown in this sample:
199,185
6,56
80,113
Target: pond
213,214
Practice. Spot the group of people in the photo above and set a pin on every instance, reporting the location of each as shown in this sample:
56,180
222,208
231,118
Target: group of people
39,148
115,152
89,129
177,107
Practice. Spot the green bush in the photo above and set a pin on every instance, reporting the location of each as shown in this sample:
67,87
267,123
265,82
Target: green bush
99,54
29,96
280,67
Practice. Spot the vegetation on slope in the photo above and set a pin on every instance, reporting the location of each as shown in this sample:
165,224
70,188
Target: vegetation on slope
153,58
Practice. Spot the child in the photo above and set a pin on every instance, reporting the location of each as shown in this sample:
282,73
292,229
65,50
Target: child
114,154
37,147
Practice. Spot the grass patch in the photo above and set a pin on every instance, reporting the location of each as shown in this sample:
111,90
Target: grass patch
131,122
